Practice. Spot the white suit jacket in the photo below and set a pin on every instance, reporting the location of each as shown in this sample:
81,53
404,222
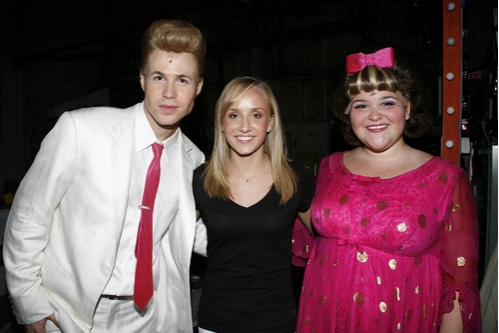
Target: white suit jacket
64,227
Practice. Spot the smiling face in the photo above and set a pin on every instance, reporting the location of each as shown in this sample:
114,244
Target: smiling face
378,119
247,122
170,84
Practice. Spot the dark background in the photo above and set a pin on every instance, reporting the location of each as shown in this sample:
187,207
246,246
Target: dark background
61,55
58,56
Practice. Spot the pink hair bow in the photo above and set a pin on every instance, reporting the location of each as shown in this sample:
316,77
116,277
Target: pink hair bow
383,58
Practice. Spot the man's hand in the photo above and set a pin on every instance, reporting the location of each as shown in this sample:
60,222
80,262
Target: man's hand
39,326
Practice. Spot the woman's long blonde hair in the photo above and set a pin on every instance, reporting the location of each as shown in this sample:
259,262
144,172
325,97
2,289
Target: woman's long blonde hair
216,173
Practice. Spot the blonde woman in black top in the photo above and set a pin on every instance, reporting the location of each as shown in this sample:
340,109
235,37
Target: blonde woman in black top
248,195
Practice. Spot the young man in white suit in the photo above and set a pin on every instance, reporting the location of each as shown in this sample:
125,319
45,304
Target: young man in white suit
71,233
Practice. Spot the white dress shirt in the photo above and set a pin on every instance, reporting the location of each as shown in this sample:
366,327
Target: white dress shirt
123,276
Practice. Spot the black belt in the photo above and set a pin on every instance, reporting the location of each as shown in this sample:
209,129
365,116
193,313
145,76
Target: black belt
117,298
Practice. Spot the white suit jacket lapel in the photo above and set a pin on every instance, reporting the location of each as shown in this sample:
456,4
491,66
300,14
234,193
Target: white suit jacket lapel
123,148
186,202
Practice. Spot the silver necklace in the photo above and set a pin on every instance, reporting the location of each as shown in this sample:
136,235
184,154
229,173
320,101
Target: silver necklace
254,175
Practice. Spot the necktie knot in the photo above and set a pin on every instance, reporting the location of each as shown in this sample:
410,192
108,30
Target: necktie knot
157,149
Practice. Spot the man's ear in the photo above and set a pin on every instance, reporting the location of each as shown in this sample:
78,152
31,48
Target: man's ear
142,80
200,86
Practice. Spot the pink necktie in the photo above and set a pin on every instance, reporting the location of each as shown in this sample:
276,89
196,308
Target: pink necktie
143,251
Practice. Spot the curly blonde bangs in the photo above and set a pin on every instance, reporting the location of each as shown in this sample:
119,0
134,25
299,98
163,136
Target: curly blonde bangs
369,79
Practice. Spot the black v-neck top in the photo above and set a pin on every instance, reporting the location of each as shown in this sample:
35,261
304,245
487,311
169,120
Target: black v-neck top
247,284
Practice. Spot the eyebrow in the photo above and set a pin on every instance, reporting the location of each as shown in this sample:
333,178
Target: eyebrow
395,96
252,109
177,75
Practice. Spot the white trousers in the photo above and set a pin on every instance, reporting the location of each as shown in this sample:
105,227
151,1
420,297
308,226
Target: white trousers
122,316
113,316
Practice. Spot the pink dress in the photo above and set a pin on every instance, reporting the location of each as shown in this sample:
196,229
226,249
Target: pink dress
391,252
301,244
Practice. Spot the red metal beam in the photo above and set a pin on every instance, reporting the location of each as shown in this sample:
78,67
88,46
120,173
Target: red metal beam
452,81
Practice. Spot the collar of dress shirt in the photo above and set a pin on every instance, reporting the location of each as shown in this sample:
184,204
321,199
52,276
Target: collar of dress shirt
144,135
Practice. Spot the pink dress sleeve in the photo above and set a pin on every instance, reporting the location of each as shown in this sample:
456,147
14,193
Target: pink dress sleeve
459,257
302,243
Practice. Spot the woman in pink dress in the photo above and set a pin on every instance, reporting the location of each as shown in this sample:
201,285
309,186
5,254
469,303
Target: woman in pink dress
397,245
